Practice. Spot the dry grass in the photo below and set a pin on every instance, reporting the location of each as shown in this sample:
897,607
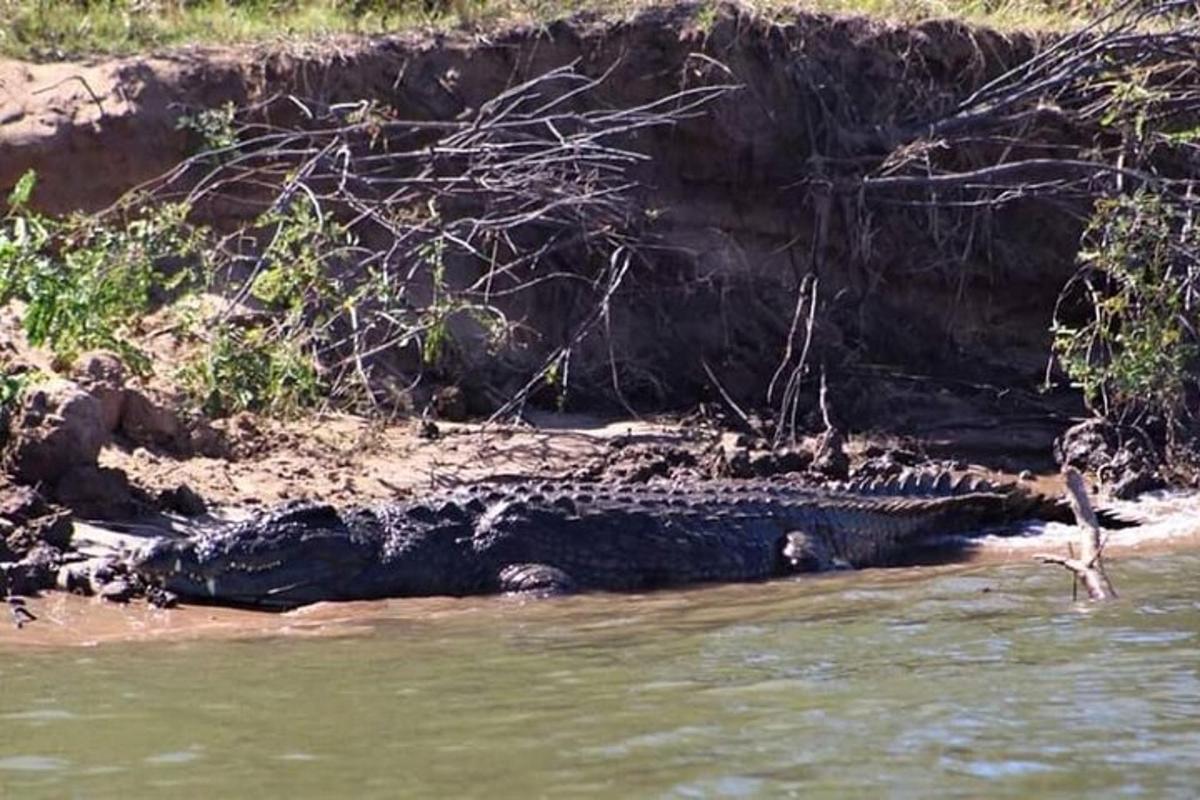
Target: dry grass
61,29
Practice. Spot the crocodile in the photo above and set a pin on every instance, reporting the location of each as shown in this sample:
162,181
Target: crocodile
548,537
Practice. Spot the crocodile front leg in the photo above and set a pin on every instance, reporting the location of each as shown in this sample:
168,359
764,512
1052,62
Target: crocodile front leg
805,552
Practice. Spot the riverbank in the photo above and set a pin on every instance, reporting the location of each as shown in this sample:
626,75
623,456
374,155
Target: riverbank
323,270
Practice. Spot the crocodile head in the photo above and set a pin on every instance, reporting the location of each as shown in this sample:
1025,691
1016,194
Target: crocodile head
281,562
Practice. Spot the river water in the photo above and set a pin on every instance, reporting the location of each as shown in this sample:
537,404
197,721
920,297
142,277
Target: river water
969,681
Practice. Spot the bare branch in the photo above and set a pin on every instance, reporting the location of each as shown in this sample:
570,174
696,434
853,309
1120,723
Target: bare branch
1088,567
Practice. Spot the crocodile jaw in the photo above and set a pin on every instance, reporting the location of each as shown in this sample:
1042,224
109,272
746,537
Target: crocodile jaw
276,577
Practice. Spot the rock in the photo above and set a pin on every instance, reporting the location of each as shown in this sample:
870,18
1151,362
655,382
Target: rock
205,440
1087,446
21,503
74,578
109,580
449,403
59,427
103,376
26,519
1122,459
182,499
99,492
792,459
147,423
243,437
626,461
31,574
117,590
762,463
737,463
55,529
161,598
1133,483
829,456
101,367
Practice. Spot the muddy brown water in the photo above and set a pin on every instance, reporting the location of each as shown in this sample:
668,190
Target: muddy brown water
967,680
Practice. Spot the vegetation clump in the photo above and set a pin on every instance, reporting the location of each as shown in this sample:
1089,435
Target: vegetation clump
1134,346
85,283
88,282
57,29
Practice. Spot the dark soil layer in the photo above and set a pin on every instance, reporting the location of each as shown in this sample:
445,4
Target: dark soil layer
931,323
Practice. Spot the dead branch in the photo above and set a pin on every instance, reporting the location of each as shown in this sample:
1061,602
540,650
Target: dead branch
1105,105
1088,567
429,230
787,430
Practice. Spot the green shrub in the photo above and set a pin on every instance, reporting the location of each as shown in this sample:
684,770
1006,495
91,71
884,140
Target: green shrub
253,369
86,282
1136,350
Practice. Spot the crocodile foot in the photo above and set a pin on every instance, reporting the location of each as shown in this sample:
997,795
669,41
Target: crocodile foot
541,580
805,553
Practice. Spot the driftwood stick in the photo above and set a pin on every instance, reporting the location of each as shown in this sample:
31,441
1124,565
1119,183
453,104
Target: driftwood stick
1088,568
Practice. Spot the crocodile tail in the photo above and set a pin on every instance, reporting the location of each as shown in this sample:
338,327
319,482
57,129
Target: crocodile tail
1035,505
923,483
1019,502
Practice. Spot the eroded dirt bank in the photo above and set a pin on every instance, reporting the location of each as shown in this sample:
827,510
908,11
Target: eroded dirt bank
931,326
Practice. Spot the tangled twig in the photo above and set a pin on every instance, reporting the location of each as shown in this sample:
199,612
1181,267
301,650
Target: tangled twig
430,232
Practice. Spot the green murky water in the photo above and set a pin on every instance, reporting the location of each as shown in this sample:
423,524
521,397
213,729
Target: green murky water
967,681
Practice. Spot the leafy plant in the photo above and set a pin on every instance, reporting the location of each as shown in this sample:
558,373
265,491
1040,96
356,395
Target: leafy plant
12,386
296,268
212,128
253,369
1136,351
85,281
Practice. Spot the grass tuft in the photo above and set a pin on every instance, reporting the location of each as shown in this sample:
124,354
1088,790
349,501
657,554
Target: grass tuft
42,30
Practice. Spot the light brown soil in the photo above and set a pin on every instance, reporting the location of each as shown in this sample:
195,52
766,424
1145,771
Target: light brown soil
348,459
